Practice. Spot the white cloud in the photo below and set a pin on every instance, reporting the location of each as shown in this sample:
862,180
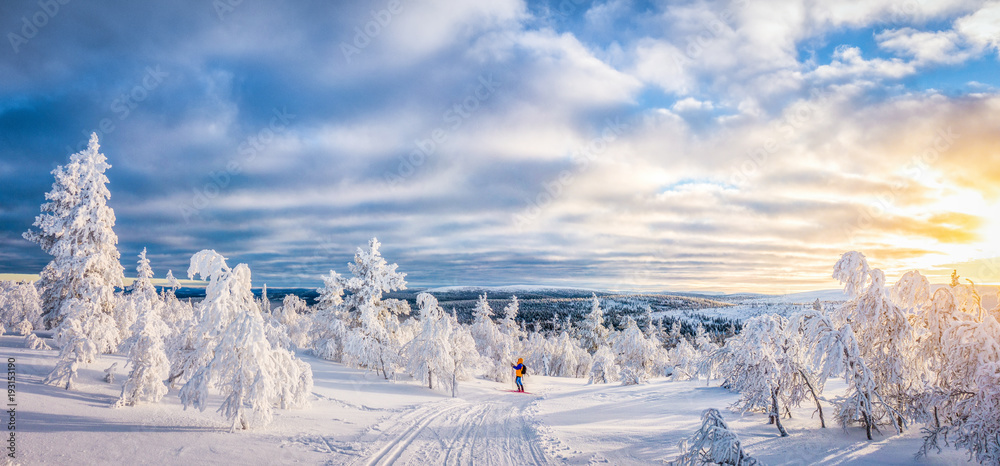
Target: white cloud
982,27
848,64
926,47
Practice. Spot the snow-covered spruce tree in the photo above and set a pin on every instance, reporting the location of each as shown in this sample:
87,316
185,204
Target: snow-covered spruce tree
427,355
19,302
330,321
713,443
490,342
142,297
148,358
235,355
373,342
77,286
636,354
509,326
603,369
883,333
76,229
593,333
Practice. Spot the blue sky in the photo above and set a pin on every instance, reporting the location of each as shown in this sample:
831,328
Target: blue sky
705,145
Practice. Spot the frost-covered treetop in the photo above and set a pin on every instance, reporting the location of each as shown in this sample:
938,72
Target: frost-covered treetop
853,271
331,294
372,275
228,291
143,284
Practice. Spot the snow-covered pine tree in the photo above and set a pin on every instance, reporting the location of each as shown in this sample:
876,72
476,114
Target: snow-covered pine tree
235,355
77,286
373,342
593,333
509,325
148,358
143,296
76,228
330,322
427,355
490,342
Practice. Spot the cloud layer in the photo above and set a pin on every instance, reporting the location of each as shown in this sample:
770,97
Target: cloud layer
736,146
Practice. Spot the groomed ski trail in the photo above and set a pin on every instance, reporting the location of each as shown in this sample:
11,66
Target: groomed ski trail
455,432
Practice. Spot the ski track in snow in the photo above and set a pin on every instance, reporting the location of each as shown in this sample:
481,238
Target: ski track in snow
451,432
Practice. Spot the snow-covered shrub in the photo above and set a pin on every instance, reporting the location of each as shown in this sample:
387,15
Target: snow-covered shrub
538,351
140,300
713,443
293,314
603,369
23,327
235,355
19,302
636,354
462,349
684,360
329,325
427,355
569,359
33,342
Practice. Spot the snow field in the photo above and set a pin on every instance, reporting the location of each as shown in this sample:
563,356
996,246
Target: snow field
356,417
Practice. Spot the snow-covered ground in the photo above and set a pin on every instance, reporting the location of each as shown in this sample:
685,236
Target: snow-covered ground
356,417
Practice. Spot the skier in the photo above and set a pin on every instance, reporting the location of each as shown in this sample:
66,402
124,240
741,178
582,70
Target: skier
519,370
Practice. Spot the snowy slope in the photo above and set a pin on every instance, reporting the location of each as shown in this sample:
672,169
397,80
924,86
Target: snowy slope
356,417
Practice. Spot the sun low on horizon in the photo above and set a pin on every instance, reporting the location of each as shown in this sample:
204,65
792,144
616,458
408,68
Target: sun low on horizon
724,146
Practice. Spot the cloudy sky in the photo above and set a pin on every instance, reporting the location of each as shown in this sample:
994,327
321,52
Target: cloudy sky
682,145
